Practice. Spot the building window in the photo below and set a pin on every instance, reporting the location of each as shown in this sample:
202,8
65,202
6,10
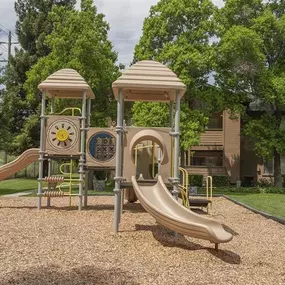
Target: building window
206,158
268,165
215,122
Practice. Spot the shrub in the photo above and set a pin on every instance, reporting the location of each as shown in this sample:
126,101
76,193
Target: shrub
274,190
196,180
220,181
263,182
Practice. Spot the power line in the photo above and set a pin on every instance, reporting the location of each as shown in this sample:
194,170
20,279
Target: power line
3,48
7,33
9,43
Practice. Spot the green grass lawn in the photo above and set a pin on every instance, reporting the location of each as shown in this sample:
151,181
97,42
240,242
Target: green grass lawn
11,186
273,204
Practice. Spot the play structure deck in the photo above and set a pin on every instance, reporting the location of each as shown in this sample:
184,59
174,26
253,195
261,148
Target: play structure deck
68,134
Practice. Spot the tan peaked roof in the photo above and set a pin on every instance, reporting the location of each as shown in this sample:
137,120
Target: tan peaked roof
66,83
148,80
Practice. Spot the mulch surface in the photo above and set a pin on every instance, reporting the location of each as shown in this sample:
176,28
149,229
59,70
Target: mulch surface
61,245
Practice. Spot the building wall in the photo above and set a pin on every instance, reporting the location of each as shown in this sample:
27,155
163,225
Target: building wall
225,140
232,147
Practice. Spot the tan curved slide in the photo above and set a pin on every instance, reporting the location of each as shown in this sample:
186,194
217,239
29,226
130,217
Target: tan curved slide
158,202
22,161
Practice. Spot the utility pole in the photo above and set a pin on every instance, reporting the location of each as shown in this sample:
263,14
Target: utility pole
9,43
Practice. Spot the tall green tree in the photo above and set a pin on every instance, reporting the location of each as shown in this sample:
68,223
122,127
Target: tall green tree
79,40
250,70
178,33
32,27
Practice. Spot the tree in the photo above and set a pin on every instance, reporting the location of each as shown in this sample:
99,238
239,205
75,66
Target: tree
178,33
79,40
250,69
32,28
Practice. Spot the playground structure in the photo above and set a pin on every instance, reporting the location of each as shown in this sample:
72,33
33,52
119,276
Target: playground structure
72,138
152,81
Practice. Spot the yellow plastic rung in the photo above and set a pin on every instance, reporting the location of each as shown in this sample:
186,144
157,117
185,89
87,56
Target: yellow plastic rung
53,179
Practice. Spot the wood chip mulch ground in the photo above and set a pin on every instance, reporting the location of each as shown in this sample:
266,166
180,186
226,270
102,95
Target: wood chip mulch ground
63,246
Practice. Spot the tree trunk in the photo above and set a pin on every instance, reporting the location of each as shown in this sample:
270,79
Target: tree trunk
277,169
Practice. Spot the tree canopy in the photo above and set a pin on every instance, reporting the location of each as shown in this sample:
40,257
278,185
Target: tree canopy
53,35
250,71
79,40
178,33
32,27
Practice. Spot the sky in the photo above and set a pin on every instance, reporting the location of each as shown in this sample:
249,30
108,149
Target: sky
124,16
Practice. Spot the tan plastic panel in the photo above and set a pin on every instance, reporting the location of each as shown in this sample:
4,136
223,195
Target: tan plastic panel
19,163
158,202
148,80
66,83
72,149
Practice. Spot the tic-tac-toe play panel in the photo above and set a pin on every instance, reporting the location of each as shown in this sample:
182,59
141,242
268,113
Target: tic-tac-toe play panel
101,147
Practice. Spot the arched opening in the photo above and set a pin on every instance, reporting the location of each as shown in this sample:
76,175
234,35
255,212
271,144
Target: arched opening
147,151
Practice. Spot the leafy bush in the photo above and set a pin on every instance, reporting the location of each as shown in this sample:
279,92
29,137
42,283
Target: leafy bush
196,180
263,182
274,190
251,190
220,181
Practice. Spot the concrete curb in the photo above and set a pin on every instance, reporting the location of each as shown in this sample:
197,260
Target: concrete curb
268,216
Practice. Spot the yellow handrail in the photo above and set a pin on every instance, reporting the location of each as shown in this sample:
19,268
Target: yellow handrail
73,109
184,187
153,145
209,179
153,159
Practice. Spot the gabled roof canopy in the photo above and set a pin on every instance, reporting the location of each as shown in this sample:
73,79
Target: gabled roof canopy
66,83
148,80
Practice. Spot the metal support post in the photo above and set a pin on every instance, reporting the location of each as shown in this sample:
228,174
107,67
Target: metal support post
118,178
49,174
86,189
52,108
171,124
122,202
82,150
88,113
176,135
42,153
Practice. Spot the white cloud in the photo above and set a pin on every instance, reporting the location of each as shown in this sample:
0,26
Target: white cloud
126,20
124,16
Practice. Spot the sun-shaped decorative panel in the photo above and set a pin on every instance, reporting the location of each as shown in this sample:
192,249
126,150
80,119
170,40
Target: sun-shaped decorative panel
62,134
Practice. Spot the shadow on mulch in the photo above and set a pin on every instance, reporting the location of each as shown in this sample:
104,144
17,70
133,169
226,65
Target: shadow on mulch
130,207
166,238
230,230
75,276
199,211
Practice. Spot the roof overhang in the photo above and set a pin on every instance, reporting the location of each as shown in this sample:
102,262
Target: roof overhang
66,83
149,81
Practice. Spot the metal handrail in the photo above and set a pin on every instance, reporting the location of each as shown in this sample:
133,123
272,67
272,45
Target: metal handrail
209,185
184,187
73,109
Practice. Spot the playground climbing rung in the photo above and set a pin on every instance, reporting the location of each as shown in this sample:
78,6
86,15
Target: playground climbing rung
54,179
53,194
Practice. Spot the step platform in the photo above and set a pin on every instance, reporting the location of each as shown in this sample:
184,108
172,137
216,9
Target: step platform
199,202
